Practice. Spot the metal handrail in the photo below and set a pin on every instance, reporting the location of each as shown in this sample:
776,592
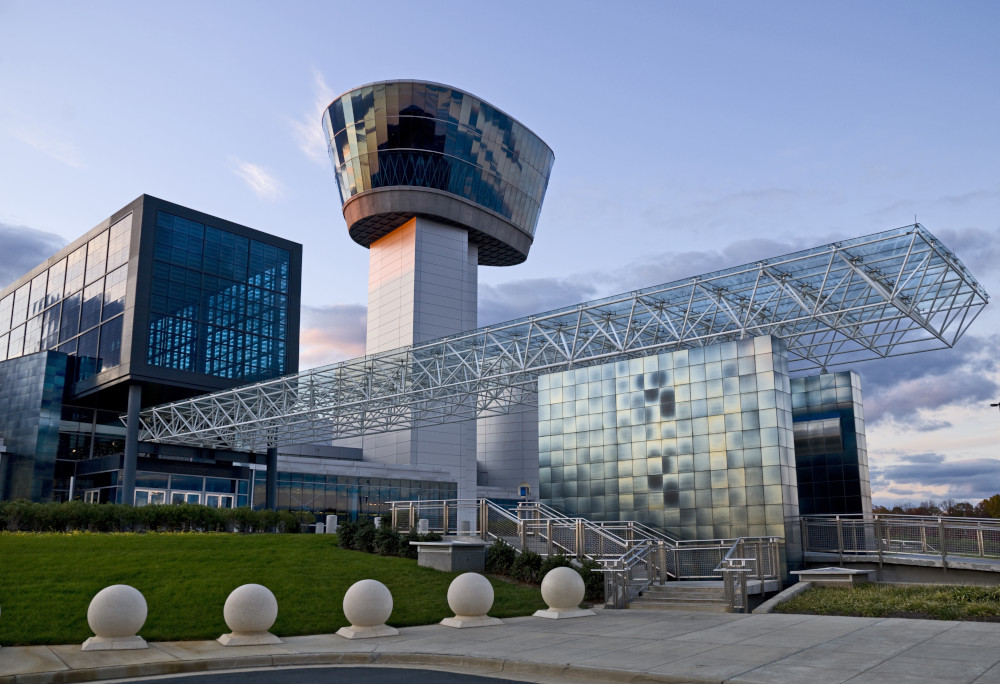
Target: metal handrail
884,536
736,570
632,555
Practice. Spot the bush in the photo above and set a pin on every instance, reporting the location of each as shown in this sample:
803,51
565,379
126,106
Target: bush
346,533
387,541
556,561
405,549
526,567
500,557
593,582
26,516
364,537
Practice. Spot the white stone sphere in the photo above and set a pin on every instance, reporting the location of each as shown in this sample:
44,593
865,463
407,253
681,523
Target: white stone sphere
250,609
116,612
563,589
470,595
367,603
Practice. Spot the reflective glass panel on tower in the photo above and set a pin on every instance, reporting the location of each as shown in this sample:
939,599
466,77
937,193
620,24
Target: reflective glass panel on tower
417,134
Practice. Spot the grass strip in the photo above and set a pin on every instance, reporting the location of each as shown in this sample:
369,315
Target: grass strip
48,580
932,602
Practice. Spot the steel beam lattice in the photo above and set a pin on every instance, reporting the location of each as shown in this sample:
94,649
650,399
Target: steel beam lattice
891,293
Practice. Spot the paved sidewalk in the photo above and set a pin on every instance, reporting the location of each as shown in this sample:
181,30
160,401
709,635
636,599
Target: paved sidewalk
614,646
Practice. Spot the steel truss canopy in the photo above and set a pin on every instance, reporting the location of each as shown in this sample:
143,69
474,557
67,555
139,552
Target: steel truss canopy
892,293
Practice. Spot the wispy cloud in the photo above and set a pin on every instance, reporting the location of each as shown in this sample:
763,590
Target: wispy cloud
263,184
308,130
23,249
60,150
908,391
931,476
331,333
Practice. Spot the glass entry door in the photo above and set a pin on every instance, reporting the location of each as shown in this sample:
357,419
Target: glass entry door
150,497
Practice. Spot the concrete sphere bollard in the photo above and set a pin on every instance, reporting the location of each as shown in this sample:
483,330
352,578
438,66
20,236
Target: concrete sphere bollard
115,614
250,611
367,605
563,591
470,595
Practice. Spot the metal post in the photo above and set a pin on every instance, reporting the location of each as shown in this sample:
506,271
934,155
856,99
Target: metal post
840,540
484,519
760,564
413,515
663,562
878,542
923,539
271,479
131,443
549,549
805,535
979,538
579,538
522,531
944,545
444,518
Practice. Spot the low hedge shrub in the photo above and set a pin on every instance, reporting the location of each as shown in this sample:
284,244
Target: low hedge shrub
73,516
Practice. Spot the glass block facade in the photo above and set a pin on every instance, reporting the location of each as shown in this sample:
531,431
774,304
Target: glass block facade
218,301
75,305
831,455
698,442
418,134
31,391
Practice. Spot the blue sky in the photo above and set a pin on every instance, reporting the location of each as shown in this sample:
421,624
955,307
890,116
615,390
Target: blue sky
688,137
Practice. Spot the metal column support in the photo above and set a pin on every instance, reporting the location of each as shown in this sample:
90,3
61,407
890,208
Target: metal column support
131,443
271,488
484,519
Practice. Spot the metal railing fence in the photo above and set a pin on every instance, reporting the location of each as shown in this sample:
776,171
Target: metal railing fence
882,536
749,558
632,555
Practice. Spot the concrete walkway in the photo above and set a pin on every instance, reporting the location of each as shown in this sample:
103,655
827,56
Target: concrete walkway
614,646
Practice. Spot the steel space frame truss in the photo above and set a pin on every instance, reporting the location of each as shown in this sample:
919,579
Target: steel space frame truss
887,294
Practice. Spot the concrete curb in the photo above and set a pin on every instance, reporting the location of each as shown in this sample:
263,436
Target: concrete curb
788,594
468,664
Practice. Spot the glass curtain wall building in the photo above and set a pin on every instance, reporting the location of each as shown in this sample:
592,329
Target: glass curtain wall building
708,442
159,302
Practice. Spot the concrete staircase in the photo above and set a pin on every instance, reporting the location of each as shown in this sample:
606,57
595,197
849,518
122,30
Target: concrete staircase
707,596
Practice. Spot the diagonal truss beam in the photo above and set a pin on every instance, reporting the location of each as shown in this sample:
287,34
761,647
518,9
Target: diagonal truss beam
887,294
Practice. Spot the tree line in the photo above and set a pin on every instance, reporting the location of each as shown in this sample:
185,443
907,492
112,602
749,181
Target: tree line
987,508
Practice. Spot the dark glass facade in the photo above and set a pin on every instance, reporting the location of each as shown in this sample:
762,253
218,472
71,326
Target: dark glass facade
831,454
349,496
74,305
418,134
218,301
31,392
158,297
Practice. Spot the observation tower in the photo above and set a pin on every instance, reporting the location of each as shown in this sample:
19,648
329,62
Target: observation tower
434,181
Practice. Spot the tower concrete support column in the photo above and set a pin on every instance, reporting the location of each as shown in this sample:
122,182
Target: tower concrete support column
422,285
131,443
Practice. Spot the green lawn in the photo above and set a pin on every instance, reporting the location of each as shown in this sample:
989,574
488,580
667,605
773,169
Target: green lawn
48,580
935,602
